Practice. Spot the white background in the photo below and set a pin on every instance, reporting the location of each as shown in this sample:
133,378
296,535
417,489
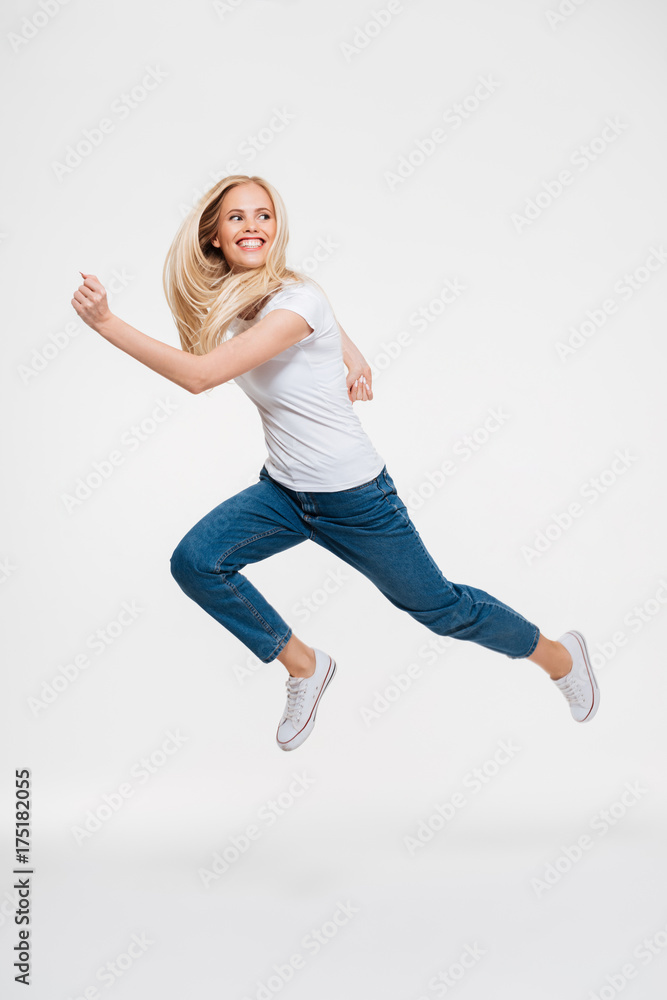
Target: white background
360,98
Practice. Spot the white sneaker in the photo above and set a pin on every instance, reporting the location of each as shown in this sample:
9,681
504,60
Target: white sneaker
303,698
579,685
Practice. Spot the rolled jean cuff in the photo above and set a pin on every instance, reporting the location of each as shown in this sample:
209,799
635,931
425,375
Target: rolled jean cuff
533,645
277,649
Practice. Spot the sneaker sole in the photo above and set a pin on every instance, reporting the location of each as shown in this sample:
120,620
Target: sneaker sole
596,690
304,733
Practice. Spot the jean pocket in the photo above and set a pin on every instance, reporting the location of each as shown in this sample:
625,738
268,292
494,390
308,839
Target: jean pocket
362,486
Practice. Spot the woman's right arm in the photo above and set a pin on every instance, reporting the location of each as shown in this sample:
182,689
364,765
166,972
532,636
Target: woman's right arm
277,331
180,367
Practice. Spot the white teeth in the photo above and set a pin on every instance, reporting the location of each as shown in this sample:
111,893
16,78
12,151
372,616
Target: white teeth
250,243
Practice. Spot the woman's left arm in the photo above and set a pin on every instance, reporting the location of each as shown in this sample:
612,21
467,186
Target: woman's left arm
359,376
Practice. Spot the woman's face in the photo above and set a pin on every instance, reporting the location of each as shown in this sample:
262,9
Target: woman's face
246,226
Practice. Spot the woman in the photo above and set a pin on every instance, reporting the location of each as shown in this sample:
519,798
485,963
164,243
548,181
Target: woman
243,316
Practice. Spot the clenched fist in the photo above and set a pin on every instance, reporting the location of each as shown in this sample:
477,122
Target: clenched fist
90,301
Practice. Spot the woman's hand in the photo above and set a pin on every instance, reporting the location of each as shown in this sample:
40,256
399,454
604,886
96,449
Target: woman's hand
359,380
90,301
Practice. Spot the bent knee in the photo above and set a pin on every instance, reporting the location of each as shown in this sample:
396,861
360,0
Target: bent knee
191,563
182,561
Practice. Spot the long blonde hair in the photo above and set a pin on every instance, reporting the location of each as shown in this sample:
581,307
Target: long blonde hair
203,294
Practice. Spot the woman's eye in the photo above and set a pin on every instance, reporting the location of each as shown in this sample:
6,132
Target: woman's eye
232,217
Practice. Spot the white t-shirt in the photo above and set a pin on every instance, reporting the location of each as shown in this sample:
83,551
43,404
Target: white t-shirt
313,434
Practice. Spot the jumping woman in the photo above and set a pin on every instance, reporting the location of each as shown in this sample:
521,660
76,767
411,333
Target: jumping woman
244,316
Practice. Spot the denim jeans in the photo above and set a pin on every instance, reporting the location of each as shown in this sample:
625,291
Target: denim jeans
367,526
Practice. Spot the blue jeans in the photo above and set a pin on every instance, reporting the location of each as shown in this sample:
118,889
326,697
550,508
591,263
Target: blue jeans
369,527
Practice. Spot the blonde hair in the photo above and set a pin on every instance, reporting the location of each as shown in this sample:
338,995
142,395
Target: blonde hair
203,294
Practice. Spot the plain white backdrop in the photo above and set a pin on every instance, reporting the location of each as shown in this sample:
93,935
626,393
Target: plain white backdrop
515,152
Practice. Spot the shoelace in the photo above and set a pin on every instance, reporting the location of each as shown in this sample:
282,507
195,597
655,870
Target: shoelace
296,690
572,690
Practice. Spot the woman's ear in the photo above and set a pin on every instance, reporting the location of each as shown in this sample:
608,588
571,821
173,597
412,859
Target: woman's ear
215,241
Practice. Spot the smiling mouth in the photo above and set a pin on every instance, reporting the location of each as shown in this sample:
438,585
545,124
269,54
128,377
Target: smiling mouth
250,244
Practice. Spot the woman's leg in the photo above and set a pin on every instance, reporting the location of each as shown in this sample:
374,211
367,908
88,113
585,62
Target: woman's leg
552,656
370,528
297,657
549,654
251,525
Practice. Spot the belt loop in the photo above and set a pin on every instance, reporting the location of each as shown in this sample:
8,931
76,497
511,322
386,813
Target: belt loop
386,481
